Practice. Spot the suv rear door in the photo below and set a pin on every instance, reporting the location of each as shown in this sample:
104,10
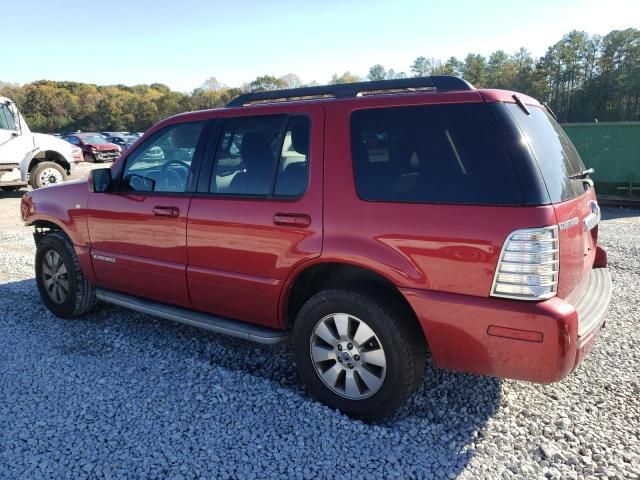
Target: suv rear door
572,195
258,210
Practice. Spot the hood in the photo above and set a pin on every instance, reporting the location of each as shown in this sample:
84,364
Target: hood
101,147
57,200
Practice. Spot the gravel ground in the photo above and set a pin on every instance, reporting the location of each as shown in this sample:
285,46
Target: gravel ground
123,395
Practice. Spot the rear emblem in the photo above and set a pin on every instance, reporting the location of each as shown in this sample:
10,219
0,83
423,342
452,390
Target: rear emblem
572,222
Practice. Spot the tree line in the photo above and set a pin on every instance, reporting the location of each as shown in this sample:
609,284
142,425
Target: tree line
582,77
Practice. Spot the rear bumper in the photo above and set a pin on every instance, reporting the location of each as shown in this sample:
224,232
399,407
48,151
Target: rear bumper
539,342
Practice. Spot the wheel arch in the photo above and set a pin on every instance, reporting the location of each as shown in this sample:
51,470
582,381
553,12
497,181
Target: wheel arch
50,156
45,226
310,279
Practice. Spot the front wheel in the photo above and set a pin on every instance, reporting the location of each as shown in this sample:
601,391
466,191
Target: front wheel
89,158
360,353
46,173
61,283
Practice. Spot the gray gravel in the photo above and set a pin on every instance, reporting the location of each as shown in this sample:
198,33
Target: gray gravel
122,395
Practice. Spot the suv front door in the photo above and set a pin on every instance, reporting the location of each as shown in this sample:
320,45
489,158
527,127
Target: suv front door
138,231
258,212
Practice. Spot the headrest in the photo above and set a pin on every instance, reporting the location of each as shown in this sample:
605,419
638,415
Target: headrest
256,147
300,134
186,136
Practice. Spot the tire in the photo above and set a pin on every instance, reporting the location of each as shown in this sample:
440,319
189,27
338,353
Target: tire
46,173
395,334
89,158
56,250
10,189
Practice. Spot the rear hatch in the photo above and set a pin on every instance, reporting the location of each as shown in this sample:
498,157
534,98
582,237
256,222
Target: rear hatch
570,191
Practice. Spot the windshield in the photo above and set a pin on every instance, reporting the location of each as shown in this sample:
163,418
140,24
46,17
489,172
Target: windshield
93,139
557,158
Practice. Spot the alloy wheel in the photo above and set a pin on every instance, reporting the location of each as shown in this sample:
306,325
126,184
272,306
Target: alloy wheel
348,356
55,277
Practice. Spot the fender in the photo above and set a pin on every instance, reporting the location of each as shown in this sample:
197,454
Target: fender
66,211
390,273
46,143
63,207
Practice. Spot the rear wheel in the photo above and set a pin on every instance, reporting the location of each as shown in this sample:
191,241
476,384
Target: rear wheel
357,352
47,173
62,286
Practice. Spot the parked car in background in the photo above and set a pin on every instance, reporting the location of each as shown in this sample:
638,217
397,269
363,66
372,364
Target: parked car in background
30,157
95,147
370,224
123,141
112,134
77,153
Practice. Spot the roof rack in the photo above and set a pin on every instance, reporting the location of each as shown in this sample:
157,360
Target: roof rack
442,83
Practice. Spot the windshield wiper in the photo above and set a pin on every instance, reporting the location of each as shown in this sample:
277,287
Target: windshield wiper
582,174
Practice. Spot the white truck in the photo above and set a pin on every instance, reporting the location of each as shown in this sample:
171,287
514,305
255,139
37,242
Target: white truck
27,157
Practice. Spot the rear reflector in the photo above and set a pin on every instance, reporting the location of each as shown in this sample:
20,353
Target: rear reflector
526,335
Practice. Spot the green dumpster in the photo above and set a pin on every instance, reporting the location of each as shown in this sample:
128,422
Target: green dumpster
613,150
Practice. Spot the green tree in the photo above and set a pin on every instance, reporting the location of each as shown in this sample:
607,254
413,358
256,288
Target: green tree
377,72
346,77
474,70
266,82
421,67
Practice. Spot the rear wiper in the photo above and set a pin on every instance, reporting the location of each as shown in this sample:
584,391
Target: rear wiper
582,174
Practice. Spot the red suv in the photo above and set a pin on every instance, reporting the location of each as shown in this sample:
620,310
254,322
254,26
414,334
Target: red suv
368,223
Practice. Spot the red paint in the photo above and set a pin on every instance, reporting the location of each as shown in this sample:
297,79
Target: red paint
240,257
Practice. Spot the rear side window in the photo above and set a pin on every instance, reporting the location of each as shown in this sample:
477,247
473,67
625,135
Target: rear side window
552,149
451,153
262,156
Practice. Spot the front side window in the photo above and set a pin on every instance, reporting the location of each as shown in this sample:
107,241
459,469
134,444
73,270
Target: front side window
264,156
163,162
451,153
7,120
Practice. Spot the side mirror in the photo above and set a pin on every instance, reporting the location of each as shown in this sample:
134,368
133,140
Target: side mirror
100,180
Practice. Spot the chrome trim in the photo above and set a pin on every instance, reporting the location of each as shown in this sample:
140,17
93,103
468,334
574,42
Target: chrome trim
556,260
593,219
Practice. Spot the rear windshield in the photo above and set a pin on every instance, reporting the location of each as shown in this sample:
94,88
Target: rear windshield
554,152
451,153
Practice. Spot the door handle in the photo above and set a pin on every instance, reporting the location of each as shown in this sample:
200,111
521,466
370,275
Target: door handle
161,211
292,219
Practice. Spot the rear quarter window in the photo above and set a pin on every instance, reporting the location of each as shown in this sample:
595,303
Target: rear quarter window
451,153
556,156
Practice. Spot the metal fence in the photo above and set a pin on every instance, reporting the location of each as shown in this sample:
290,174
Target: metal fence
613,150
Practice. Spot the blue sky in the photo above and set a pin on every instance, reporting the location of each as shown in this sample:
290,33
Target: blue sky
182,43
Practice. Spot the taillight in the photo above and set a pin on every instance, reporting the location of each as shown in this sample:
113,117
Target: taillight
528,265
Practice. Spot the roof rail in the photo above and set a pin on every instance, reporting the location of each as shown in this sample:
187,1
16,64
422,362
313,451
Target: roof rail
442,83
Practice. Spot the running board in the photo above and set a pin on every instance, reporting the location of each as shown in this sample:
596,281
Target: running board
205,321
